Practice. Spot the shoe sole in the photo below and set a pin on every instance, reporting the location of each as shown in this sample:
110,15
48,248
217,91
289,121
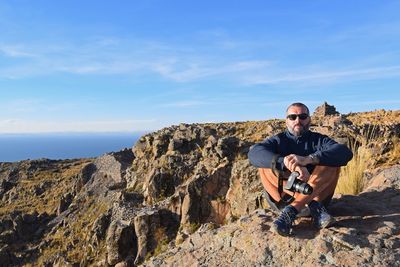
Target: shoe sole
327,223
274,229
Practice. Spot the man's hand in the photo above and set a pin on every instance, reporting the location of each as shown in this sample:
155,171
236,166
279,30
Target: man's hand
292,161
304,174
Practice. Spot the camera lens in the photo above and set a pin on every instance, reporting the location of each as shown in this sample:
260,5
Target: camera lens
302,188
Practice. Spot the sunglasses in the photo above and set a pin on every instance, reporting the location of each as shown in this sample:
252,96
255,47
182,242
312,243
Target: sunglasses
301,116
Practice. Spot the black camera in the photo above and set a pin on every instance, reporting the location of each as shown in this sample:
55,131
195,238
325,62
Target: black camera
297,185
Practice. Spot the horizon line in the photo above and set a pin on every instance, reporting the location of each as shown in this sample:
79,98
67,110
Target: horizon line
77,132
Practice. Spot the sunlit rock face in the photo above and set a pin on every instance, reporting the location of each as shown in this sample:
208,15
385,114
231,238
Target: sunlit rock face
186,195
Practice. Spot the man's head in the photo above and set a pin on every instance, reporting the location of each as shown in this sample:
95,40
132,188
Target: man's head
297,119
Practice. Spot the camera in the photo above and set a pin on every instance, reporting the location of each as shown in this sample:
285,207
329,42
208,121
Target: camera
297,185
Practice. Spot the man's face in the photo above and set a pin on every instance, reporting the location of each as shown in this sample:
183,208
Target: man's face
297,126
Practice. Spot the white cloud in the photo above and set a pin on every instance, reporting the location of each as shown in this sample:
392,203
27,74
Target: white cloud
108,56
179,63
189,103
16,51
180,71
326,76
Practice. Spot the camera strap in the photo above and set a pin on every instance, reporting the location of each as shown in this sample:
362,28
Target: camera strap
277,173
281,177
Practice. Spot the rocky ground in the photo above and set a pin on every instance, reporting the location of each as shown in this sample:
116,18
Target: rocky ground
187,196
366,233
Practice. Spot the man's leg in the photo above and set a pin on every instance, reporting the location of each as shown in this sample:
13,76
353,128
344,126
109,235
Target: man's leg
270,183
323,180
283,224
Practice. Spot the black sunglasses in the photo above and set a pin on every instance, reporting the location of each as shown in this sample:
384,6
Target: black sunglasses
301,116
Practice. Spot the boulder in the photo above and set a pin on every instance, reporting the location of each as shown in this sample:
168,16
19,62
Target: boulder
121,242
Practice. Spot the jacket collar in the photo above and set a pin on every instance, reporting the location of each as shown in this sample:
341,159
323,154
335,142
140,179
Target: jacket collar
305,135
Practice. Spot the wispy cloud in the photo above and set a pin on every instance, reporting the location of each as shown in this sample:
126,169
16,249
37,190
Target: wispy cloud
108,56
184,104
175,62
181,72
326,76
16,51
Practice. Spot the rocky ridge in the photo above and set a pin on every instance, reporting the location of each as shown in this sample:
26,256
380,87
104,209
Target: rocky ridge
187,194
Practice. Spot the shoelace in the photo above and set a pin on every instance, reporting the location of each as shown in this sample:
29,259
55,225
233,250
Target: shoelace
319,209
286,218
322,209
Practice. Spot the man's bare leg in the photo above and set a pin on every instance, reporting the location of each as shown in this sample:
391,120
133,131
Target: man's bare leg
323,181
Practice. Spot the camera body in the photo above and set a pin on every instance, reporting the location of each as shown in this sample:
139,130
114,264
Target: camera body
296,185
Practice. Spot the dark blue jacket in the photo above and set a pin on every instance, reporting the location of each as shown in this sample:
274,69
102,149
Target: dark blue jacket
329,152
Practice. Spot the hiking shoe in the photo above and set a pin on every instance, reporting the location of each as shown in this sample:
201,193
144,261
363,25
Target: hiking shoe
321,217
283,224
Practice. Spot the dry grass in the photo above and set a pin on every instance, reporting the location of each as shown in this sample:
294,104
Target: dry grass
351,179
73,240
394,156
375,117
54,182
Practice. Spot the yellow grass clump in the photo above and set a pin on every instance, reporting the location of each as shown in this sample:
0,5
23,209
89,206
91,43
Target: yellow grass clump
394,156
351,179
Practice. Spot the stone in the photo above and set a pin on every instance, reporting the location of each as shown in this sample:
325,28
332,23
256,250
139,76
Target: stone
187,195
324,110
121,242
65,201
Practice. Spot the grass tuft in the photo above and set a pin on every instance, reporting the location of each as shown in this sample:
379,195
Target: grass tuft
351,179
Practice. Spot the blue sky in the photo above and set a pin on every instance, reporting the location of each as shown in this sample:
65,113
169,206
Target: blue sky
125,66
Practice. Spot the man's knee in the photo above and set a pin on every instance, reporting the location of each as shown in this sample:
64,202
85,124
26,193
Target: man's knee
266,172
320,169
325,173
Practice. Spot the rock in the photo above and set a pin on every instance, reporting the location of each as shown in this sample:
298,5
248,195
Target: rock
84,176
113,166
100,226
388,177
202,189
226,146
121,242
153,227
244,190
65,201
324,110
187,195
248,242
7,258
160,185
5,186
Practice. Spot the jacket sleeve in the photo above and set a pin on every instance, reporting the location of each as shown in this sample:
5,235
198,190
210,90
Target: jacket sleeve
262,154
331,153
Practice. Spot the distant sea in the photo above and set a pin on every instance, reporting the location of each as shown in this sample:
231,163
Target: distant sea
15,147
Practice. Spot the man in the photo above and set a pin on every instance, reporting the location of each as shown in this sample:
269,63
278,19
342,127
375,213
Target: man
316,157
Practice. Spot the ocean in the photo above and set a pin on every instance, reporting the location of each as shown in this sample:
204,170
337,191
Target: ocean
16,147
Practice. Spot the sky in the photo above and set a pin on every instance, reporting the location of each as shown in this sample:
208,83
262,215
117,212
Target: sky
127,66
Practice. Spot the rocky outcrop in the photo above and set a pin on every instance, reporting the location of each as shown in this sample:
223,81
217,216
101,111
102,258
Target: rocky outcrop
325,110
121,241
16,231
187,195
367,233
243,195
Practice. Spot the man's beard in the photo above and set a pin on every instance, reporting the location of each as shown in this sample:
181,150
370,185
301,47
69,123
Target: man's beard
300,130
